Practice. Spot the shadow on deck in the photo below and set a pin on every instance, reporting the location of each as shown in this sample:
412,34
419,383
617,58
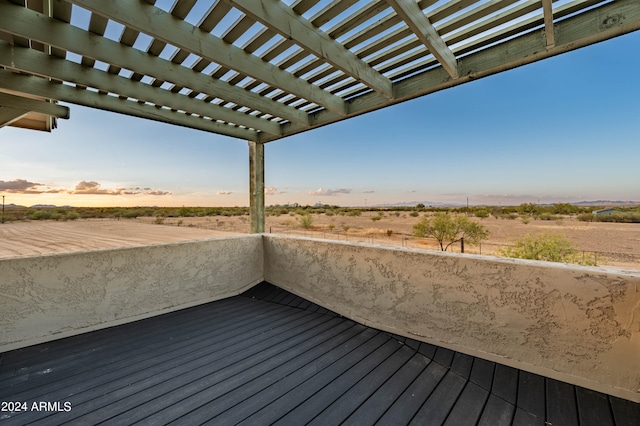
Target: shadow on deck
268,356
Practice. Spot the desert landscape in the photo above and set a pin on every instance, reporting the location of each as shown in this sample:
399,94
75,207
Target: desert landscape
615,245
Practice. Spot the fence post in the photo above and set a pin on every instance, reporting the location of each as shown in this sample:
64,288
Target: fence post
462,245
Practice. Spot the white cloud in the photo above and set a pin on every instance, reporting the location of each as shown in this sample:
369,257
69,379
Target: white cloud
330,192
225,192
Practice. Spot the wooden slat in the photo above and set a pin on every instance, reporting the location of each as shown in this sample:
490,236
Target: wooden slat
439,404
497,412
561,403
408,404
505,383
531,393
282,19
593,408
469,406
387,394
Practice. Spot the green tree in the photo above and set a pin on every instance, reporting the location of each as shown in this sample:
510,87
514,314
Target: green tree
548,247
448,229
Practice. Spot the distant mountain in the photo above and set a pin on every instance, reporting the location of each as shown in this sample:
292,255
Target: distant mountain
607,203
13,206
49,206
414,203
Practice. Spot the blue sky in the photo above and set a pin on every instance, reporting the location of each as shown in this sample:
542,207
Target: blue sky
564,129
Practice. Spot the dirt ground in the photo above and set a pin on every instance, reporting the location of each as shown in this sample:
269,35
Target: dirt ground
46,237
609,244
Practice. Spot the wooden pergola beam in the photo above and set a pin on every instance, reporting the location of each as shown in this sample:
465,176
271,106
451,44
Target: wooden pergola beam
603,23
8,115
38,63
547,9
42,87
282,19
420,25
23,22
28,104
163,26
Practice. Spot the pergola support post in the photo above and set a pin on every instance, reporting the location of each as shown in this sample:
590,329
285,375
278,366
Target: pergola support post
256,187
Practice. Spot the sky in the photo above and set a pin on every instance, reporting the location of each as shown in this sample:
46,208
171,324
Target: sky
565,129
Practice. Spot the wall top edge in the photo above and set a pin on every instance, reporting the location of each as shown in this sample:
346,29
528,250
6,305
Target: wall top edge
496,259
132,247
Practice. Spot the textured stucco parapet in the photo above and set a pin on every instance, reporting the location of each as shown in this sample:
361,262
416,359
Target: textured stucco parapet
572,323
48,297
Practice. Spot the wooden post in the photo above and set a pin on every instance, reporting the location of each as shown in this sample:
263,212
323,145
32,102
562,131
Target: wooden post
462,245
256,187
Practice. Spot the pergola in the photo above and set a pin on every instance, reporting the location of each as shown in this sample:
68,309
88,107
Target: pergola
265,70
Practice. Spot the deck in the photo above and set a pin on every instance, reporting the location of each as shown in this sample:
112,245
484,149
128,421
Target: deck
270,357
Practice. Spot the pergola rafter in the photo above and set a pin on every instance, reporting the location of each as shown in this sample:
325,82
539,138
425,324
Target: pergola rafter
409,11
275,70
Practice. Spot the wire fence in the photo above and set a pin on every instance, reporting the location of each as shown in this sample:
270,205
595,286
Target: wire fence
600,258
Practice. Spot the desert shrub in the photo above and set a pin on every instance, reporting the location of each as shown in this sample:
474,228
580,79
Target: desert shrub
549,216
329,213
306,221
159,220
620,217
585,217
482,213
414,214
376,218
548,247
354,213
389,232
331,226
71,215
345,228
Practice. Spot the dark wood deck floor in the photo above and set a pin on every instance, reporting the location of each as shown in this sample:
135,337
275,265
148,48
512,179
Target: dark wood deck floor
269,357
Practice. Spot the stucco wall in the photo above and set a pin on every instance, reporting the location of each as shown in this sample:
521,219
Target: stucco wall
576,324
49,297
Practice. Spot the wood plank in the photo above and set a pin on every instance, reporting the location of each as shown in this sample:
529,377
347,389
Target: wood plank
387,394
531,394
497,412
561,403
108,385
468,407
593,408
462,364
625,413
41,28
482,373
427,350
313,396
444,356
292,372
271,402
422,27
408,404
505,383
218,359
164,27
350,401
72,350
439,404
173,326
284,20
525,418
